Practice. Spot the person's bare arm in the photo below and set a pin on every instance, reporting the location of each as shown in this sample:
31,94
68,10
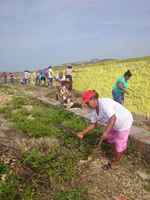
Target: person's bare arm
86,130
121,86
109,126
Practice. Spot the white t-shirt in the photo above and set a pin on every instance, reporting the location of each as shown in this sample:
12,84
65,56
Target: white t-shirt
108,108
60,79
50,73
26,75
69,71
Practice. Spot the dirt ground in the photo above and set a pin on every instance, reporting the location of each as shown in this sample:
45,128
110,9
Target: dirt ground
142,121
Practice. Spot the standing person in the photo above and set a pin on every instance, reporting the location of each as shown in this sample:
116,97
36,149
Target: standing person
5,76
0,76
117,120
33,78
42,77
12,78
120,87
22,80
68,73
26,77
37,78
50,76
60,77
29,77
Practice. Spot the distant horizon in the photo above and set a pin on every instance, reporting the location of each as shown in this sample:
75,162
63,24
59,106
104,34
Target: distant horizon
77,62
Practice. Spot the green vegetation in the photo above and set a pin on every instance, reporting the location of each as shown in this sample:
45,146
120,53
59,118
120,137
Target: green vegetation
3,168
59,165
101,77
75,194
40,120
9,187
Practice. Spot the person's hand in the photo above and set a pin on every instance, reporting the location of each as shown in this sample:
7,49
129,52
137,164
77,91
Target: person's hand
104,136
80,135
127,92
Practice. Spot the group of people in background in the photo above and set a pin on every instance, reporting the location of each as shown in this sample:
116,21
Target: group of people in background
45,76
7,77
63,82
39,77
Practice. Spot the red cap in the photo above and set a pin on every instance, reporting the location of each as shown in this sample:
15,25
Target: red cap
87,95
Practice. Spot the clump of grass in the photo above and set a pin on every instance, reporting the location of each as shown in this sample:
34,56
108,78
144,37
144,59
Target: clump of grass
42,120
3,168
147,186
9,188
60,164
74,194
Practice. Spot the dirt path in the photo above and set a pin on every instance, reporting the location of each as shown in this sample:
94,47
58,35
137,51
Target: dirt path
110,185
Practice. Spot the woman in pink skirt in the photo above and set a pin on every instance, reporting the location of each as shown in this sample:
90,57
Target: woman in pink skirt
116,118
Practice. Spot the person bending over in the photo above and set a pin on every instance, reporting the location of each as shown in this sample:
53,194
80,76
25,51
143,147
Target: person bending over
116,118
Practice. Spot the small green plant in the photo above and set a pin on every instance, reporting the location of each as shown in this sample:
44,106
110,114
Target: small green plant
37,161
3,168
74,194
9,188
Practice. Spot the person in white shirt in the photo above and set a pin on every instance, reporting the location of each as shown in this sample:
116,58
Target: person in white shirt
60,77
26,77
116,118
50,76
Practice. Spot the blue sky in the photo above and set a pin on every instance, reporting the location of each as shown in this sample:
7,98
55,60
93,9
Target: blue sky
35,33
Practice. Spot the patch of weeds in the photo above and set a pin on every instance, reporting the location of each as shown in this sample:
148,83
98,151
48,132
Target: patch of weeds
75,123
37,161
29,193
6,89
133,151
14,104
59,164
94,137
71,142
82,148
74,194
131,148
147,186
35,128
18,102
3,168
63,168
42,122
9,188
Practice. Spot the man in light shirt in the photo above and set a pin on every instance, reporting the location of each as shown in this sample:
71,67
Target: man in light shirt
50,76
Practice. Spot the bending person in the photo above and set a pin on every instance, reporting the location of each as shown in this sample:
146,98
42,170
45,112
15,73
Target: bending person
116,118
